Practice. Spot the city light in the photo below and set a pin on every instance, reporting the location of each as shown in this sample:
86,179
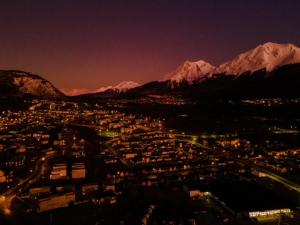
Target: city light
269,212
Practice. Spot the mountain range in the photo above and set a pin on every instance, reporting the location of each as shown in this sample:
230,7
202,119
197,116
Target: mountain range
269,56
269,69
119,88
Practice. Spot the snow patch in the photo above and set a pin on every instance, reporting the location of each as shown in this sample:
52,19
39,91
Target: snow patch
268,56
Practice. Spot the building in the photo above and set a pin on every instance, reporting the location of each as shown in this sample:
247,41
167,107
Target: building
89,188
59,171
39,190
55,202
78,171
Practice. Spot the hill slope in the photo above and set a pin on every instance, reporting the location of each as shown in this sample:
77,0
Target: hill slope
14,83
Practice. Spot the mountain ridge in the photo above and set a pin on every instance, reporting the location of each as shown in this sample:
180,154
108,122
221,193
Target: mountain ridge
120,87
269,56
16,83
266,66
269,69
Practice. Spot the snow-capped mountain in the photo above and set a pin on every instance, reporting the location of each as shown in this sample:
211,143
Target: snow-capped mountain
83,91
75,91
268,56
23,83
191,72
121,87
277,67
125,86
270,69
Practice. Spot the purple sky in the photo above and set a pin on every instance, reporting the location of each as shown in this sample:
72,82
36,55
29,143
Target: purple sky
89,43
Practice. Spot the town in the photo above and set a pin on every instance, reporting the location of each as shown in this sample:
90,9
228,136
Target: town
62,156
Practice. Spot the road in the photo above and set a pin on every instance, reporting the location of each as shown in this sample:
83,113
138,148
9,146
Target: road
39,170
287,183
282,180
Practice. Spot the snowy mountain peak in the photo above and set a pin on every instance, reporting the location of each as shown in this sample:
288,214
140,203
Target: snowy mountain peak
267,56
191,71
121,87
125,86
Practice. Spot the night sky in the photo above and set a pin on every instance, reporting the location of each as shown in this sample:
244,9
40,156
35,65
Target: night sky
89,43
